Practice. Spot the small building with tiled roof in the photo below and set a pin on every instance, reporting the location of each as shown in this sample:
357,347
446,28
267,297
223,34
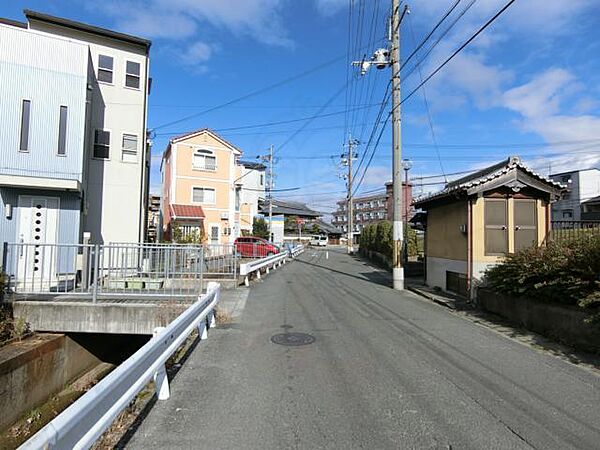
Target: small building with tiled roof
475,221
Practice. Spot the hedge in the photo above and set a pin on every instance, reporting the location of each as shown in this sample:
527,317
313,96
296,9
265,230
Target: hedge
378,237
565,272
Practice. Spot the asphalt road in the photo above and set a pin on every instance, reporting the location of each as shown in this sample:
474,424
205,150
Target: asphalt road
386,370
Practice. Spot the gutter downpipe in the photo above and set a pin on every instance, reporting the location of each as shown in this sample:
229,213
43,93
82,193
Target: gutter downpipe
469,248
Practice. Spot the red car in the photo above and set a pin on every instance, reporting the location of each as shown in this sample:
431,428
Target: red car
254,247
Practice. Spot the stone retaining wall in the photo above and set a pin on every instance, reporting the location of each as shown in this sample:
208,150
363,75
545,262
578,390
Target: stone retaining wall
562,322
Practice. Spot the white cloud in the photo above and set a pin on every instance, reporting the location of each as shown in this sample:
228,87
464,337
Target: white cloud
376,176
183,19
330,7
537,16
541,96
540,103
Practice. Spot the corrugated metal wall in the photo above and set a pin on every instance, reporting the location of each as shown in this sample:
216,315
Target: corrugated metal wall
51,72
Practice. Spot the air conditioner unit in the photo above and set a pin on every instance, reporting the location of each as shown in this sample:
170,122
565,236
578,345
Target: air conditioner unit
224,216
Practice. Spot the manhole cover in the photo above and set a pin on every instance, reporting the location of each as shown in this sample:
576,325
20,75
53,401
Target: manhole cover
292,339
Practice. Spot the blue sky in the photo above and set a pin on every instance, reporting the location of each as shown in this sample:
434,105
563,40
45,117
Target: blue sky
529,85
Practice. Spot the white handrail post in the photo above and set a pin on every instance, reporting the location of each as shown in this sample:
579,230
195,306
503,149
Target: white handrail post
202,333
161,383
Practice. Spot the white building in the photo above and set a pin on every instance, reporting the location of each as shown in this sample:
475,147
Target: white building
252,189
116,157
583,186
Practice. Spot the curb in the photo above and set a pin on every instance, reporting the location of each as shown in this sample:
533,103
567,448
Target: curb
432,297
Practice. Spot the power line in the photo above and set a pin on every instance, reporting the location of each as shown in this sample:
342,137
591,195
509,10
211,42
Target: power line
373,153
255,92
280,122
440,37
426,38
457,51
430,121
310,119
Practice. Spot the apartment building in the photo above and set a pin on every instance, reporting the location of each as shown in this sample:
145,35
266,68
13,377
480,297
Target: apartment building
371,209
580,202
72,132
206,189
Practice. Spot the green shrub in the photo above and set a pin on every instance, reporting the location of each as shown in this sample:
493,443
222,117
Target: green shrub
378,237
565,272
260,228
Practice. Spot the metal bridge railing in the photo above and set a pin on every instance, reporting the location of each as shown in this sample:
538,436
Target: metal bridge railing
103,270
83,422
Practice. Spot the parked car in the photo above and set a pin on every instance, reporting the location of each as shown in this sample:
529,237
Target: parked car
254,247
318,241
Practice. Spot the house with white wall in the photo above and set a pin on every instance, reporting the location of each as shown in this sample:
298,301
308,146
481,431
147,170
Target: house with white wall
251,187
117,160
583,186
73,153
43,92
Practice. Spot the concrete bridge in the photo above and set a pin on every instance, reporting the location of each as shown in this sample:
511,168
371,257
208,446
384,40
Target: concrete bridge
120,288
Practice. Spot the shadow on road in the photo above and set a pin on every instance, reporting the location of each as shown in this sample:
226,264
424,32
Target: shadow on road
381,278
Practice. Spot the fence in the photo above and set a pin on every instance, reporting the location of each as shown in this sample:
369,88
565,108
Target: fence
85,420
565,230
220,261
103,270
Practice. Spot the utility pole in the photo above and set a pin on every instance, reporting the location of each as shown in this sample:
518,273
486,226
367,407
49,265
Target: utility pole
269,158
383,58
350,209
397,232
271,193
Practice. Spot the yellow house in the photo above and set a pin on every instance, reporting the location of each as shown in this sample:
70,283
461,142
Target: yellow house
474,222
202,184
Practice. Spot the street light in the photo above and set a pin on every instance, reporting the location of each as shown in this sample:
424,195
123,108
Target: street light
406,165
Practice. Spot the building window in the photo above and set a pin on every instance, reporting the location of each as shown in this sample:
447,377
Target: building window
203,195
567,214
237,198
262,179
105,68
129,148
25,113
101,144
496,225
204,160
62,131
132,75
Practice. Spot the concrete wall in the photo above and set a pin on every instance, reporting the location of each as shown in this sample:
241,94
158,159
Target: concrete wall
113,318
564,323
437,268
37,368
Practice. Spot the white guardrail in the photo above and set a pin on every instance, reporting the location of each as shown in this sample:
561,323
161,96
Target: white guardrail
82,423
269,262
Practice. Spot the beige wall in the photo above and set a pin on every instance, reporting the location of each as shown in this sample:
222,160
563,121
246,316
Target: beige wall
444,238
221,180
